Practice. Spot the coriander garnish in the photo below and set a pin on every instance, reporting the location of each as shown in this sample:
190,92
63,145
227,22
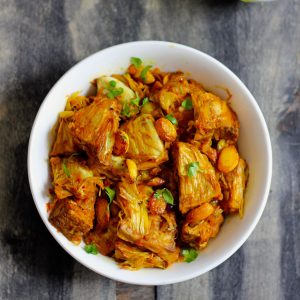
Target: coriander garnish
166,194
189,254
111,193
172,119
187,104
144,72
91,249
137,62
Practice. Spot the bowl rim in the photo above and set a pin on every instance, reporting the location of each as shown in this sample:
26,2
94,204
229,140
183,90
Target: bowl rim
264,197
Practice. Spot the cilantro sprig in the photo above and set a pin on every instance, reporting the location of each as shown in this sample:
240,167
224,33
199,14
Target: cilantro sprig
126,110
144,72
137,62
91,249
114,92
65,169
187,104
113,83
165,194
112,89
145,100
193,168
172,119
189,254
136,101
111,193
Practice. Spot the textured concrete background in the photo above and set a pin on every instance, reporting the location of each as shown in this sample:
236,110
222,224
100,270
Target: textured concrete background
40,40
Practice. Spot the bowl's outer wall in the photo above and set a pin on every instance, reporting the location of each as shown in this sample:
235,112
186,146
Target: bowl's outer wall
254,145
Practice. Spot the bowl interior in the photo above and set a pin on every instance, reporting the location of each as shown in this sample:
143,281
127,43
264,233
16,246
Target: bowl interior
254,145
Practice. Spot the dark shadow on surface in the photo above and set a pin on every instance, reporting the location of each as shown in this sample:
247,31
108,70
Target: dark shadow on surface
34,265
220,2
289,141
214,3
32,249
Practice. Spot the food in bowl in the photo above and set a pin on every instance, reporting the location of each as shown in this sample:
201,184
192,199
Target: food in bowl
146,169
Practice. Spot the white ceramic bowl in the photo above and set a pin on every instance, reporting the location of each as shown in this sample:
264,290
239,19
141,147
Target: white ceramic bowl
254,145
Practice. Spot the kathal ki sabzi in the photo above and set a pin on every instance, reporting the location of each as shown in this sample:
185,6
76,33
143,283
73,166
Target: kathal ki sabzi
146,169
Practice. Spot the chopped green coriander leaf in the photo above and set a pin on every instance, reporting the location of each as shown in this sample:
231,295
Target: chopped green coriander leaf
110,95
172,119
189,254
166,194
65,169
144,72
126,110
111,193
118,91
113,83
114,92
137,62
145,100
187,104
91,249
135,101
193,168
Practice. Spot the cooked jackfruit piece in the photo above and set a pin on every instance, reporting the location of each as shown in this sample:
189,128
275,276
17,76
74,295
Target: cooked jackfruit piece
104,239
197,231
161,237
71,177
233,187
155,233
204,144
145,146
94,127
173,92
114,169
138,87
76,102
75,190
133,258
213,115
64,143
195,187
73,217
132,200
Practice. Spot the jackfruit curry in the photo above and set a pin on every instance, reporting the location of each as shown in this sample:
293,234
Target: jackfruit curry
146,169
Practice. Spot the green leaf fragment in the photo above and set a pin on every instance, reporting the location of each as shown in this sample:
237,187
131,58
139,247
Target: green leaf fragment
172,119
135,101
144,72
189,254
126,111
114,92
65,169
187,104
145,100
166,194
91,249
137,62
113,83
193,168
111,193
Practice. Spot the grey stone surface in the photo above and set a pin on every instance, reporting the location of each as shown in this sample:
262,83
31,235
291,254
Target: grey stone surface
40,40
